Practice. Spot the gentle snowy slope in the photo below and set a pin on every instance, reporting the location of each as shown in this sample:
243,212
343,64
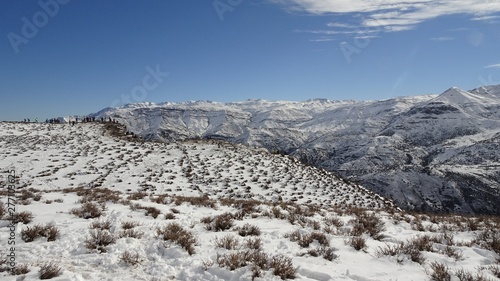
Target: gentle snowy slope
252,215
393,147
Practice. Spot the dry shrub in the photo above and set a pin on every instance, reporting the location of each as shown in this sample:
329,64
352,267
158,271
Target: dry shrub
202,201
131,233
234,260
99,195
421,243
129,224
130,258
440,272
276,211
51,232
368,223
29,234
88,210
219,223
249,230
488,239
411,249
228,242
20,269
175,233
333,221
453,253
169,216
304,240
100,224
137,195
327,253
463,275
160,199
253,243
154,212
49,270
283,267
24,217
99,239
358,243
3,210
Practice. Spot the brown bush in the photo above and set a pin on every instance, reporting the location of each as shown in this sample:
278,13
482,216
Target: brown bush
253,243
304,240
495,270
49,270
29,234
219,223
249,230
24,217
154,212
169,216
130,258
101,224
327,253
99,195
368,223
3,210
440,272
358,243
228,242
88,210
202,201
137,195
235,260
99,239
129,224
131,233
283,267
175,233
20,269
333,221
488,239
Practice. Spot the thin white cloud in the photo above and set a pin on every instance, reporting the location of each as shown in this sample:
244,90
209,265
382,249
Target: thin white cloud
493,66
336,32
442,39
340,25
322,40
364,37
486,18
395,15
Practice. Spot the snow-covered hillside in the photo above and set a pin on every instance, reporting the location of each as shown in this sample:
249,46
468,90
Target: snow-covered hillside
92,203
434,152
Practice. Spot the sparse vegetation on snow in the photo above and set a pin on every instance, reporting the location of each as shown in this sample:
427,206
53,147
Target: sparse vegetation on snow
209,210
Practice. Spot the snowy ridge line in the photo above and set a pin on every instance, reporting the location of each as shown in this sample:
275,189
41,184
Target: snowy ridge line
80,156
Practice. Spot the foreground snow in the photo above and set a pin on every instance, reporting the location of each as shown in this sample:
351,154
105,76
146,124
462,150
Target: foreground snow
65,167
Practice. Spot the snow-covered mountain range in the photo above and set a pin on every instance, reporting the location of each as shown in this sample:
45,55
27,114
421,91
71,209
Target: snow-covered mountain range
431,152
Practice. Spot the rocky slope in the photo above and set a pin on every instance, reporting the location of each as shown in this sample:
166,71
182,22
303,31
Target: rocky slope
433,152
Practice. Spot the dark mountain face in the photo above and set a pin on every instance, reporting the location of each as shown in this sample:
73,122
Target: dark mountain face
433,153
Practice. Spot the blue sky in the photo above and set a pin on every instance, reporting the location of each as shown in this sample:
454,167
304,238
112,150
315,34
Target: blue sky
65,57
